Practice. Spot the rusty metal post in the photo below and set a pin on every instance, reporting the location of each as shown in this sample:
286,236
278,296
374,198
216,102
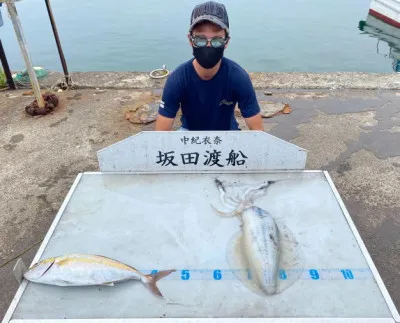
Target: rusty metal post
60,51
12,10
6,68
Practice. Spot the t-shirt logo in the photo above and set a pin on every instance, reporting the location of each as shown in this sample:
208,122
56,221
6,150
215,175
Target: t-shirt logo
225,102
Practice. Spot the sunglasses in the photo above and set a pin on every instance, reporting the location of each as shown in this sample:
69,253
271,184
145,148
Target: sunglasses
216,42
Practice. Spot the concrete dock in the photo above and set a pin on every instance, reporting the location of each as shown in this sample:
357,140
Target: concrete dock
348,122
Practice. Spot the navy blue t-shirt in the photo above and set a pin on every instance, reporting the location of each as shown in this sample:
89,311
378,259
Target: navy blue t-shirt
209,105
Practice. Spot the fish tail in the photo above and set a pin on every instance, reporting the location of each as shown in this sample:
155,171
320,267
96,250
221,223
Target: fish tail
152,279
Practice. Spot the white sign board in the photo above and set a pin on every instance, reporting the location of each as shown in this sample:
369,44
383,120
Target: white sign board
221,151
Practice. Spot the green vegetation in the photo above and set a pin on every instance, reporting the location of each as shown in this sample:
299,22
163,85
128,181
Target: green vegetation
3,80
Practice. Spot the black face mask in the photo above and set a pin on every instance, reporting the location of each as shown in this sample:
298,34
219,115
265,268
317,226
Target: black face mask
208,57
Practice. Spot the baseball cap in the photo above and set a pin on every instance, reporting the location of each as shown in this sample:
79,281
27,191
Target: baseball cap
212,11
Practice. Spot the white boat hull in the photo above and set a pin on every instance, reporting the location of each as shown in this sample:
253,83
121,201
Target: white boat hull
386,10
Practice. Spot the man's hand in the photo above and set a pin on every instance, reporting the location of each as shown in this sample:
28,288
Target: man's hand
163,123
255,122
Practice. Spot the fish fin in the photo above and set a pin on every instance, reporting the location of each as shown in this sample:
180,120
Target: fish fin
19,270
151,280
291,258
62,283
108,284
161,274
237,261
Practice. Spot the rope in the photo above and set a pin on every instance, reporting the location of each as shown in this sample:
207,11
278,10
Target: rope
20,254
162,72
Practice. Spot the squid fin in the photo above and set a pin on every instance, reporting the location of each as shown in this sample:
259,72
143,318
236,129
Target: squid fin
291,258
238,263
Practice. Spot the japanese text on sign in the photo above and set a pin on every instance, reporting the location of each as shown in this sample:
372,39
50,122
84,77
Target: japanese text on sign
209,158
201,140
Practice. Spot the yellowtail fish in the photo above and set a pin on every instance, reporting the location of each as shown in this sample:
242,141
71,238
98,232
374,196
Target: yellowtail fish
261,246
88,270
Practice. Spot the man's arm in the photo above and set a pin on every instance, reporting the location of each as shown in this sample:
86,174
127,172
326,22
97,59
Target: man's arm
255,122
164,123
247,101
170,103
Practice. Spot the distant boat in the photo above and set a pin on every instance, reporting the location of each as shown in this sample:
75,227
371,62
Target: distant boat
387,11
383,23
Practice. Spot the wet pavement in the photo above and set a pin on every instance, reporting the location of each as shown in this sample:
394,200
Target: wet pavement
354,134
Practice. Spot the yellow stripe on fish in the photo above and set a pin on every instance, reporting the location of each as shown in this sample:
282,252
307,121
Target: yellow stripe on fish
71,259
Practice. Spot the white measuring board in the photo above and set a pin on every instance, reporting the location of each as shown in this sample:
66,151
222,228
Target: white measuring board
222,151
162,220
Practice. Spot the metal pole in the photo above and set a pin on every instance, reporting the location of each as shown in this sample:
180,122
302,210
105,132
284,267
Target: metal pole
12,10
60,51
6,68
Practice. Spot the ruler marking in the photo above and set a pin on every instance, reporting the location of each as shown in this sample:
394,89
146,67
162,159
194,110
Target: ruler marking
312,274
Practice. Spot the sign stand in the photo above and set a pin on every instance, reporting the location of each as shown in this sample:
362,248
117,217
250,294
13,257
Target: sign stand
150,207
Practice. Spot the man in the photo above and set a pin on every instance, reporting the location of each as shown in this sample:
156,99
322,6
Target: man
208,86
